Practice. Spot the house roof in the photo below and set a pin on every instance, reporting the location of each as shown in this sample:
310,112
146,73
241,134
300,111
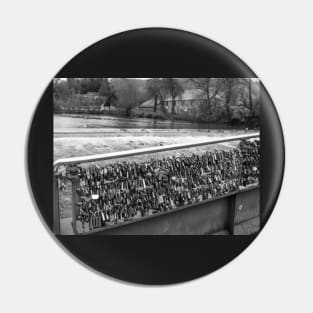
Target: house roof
147,104
189,94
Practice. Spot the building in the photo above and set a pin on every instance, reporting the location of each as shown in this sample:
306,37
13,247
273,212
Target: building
191,105
148,107
187,102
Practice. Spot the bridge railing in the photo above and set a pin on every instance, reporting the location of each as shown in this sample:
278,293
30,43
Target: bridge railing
74,161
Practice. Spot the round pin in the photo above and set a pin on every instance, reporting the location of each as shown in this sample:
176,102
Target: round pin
155,156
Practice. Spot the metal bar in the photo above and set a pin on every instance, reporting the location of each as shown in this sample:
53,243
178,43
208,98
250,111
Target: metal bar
123,154
75,199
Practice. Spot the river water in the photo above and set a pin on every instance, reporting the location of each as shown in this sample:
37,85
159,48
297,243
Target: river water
104,121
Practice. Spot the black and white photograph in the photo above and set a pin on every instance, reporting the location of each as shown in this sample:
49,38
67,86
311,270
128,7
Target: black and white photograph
156,156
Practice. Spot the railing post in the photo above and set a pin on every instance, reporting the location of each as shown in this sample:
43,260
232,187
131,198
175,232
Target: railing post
73,176
231,214
56,209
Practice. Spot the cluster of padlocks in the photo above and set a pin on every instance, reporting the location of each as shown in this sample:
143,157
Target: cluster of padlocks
121,191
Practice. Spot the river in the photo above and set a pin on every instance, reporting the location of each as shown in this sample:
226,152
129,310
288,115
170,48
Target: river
76,135
105,121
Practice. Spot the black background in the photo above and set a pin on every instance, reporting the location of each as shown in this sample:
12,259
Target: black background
154,53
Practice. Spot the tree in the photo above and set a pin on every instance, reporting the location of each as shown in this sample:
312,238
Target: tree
127,94
90,85
210,88
247,87
174,89
105,89
155,90
153,86
228,85
73,85
61,89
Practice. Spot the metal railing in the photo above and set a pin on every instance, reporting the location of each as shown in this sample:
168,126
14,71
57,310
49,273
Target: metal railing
128,153
122,154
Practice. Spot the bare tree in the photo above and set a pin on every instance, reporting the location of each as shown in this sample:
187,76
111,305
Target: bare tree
228,85
246,95
174,89
210,88
153,90
158,90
